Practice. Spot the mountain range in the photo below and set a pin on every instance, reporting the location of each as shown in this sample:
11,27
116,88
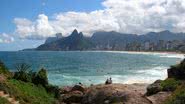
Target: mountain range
106,40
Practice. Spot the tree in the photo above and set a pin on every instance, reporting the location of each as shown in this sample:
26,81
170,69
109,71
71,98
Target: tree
41,78
22,72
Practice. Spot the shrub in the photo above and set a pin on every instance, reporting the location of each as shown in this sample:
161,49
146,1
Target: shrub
27,93
170,84
41,78
4,101
4,69
53,89
22,72
178,96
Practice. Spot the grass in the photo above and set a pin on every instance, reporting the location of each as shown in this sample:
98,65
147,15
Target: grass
4,70
4,101
27,93
178,96
170,84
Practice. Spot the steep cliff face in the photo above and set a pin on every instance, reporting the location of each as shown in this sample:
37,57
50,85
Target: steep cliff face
157,41
76,41
177,71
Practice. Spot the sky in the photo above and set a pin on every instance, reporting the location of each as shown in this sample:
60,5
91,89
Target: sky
27,23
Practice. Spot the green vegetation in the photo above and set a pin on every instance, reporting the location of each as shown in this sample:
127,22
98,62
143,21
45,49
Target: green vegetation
176,84
180,66
4,101
41,78
4,70
27,93
26,86
178,96
170,84
22,73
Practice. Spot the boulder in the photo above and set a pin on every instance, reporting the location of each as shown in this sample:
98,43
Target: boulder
113,94
154,88
177,71
159,98
78,87
65,90
72,97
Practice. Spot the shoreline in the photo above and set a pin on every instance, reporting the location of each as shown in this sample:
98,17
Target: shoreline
169,52
165,52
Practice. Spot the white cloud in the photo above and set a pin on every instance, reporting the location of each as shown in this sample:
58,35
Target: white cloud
39,29
126,16
6,38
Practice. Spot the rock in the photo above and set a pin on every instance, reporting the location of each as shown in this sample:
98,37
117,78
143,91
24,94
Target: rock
113,93
154,88
2,78
177,71
65,90
78,88
72,97
159,98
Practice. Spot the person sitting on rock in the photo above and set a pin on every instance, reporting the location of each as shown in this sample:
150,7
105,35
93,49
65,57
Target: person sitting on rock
108,81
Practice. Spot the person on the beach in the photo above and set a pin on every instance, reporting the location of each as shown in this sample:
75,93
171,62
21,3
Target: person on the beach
108,81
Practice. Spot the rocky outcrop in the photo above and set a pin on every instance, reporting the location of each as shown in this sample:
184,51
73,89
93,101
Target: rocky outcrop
106,94
159,98
114,93
72,97
76,41
177,71
8,97
154,88
80,88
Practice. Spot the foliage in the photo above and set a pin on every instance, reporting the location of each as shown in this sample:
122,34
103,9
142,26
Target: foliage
41,78
22,72
4,101
170,84
178,96
27,93
53,89
3,69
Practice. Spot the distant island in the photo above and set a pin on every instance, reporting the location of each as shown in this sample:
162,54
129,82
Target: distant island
114,41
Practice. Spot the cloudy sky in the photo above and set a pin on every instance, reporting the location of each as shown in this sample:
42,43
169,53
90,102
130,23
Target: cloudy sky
27,23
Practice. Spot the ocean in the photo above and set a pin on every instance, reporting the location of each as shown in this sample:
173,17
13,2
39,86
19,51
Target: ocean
94,67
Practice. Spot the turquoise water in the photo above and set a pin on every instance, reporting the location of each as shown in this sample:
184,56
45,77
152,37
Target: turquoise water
69,68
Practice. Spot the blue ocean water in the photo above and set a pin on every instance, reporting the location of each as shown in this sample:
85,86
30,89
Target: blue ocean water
69,68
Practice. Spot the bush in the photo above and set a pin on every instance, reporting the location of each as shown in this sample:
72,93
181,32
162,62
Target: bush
178,96
53,89
170,84
4,101
4,69
22,72
41,78
27,93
